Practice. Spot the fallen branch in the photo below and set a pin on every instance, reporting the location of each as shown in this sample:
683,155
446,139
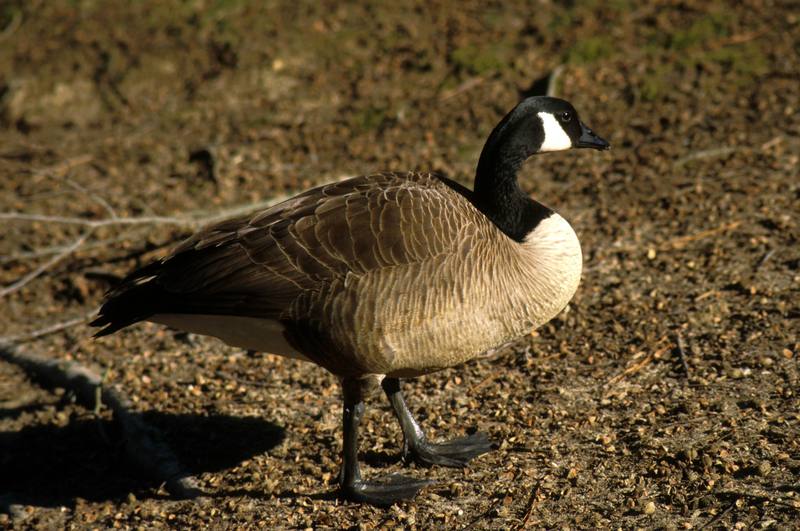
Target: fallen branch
761,496
47,330
706,154
764,259
192,220
679,242
19,284
96,223
143,444
55,249
682,354
94,197
64,165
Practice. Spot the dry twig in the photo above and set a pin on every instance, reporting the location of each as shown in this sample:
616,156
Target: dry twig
463,87
552,81
679,242
705,154
26,279
719,517
638,366
529,507
682,354
56,249
192,220
47,330
764,259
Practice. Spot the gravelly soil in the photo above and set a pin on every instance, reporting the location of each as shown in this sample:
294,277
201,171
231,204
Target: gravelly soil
689,226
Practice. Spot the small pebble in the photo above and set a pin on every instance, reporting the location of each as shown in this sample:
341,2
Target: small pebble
650,508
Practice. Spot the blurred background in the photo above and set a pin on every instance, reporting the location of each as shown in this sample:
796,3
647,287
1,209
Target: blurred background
664,397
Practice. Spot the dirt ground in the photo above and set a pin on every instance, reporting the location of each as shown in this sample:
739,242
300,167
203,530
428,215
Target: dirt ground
666,396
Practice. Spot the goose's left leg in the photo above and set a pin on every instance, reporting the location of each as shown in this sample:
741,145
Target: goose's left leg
455,453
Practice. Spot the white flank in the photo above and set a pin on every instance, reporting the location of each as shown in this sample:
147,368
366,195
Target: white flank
251,333
555,138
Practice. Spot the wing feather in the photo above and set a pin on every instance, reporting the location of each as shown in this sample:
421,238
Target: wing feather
257,265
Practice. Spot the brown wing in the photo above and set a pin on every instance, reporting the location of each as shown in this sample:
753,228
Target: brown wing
258,264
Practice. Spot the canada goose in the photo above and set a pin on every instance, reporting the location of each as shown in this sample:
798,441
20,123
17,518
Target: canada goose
381,277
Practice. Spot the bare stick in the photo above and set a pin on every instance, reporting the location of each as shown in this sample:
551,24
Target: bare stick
463,87
705,154
143,444
47,330
552,81
679,242
19,284
529,507
682,354
197,218
95,223
94,197
65,165
55,249
719,517
191,220
638,366
764,259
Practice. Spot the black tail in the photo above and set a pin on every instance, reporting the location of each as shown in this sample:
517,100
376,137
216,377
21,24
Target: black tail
129,304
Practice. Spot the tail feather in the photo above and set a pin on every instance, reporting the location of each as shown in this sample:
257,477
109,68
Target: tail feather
128,305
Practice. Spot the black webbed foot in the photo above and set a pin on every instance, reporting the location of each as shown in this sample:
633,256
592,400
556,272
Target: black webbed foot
385,491
417,448
455,453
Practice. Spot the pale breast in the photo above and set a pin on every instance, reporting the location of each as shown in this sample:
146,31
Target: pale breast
552,260
448,311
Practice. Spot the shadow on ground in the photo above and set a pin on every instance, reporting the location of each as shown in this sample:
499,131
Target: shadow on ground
49,465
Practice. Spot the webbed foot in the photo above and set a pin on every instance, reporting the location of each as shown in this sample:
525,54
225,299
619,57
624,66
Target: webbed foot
385,491
455,453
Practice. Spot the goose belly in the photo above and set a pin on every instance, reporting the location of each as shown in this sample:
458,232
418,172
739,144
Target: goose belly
251,333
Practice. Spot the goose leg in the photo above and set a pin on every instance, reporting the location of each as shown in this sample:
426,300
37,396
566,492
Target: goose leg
385,491
455,453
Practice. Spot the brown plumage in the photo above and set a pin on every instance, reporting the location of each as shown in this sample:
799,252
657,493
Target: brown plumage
379,277
340,267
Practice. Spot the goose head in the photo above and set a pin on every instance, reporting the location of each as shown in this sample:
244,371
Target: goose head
561,128
536,125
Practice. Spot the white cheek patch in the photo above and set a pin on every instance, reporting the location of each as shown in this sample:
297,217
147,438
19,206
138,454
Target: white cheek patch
555,138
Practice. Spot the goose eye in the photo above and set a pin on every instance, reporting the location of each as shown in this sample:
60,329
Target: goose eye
565,116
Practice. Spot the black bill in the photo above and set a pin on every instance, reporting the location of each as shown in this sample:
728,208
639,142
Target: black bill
590,140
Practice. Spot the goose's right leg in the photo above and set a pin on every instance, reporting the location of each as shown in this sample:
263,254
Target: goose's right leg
383,492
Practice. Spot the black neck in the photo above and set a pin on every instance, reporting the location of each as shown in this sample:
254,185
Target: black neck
497,193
